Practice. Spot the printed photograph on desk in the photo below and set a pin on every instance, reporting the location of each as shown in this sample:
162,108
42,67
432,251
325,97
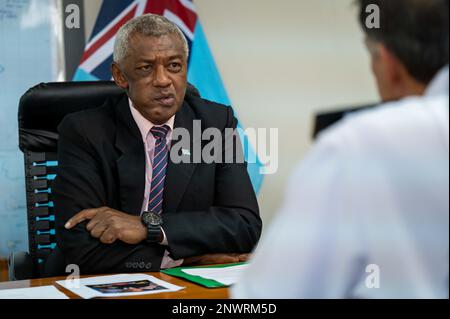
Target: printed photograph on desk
122,285
128,286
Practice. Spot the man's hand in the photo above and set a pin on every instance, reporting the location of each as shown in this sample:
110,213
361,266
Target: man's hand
210,259
110,225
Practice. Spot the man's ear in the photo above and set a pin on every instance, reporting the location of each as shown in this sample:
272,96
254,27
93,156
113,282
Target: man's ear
118,76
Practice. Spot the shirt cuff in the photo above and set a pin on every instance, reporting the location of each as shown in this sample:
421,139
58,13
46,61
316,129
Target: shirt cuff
168,262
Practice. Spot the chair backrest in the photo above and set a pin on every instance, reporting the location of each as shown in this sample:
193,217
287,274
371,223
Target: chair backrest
41,109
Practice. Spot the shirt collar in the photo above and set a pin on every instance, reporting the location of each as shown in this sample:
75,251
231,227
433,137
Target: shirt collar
439,84
145,125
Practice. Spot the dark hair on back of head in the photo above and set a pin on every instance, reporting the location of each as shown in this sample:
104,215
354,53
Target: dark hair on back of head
415,31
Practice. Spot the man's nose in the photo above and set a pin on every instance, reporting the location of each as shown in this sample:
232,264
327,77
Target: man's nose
161,78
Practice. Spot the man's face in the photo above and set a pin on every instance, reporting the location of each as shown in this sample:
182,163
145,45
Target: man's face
154,74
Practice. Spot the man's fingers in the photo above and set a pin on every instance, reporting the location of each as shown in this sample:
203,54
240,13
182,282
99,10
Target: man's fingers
94,221
98,230
108,237
82,216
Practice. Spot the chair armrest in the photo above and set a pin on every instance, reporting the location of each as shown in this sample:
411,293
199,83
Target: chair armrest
20,266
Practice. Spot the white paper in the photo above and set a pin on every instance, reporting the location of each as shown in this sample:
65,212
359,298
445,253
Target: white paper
43,292
118,286
225,275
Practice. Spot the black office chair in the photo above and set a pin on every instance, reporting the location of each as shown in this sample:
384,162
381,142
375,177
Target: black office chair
41,109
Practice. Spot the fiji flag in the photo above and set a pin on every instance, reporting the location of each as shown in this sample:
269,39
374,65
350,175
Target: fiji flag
202,71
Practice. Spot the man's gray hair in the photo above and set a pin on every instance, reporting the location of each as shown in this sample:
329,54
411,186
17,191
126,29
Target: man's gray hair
148,25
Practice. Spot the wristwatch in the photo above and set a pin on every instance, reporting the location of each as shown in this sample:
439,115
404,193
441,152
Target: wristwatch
153,221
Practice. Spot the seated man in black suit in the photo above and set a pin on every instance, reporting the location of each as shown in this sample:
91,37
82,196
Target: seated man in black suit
122,203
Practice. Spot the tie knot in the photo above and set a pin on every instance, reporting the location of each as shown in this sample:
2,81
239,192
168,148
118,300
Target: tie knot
160,131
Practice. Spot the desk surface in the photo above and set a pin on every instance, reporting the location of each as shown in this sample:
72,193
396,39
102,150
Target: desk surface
192,291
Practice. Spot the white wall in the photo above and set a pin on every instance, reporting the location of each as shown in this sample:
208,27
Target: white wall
282,61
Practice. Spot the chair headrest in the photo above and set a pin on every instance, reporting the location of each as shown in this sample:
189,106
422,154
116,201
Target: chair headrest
44,106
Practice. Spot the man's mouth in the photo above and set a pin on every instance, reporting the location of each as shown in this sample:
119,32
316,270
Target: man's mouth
165,99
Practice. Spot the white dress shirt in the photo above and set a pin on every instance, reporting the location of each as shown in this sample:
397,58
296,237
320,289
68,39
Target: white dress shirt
366,214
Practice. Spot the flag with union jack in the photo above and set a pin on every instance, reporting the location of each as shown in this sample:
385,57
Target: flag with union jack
96,60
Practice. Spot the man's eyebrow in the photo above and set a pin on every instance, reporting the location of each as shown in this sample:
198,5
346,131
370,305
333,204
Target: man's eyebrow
177,56
152,60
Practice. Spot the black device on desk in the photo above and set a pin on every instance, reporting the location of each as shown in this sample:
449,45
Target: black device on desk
324,120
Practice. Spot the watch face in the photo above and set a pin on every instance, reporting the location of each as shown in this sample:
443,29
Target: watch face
151,218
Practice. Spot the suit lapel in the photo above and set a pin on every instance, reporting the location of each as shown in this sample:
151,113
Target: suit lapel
178,175
131,164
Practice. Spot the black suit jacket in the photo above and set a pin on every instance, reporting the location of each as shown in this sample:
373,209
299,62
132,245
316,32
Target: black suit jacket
207,208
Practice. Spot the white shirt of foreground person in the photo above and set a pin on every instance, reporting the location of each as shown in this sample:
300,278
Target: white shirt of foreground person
366,214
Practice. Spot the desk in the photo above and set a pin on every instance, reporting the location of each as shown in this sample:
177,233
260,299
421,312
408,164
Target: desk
192,291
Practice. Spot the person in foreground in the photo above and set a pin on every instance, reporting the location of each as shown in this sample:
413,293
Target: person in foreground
366,214
123,204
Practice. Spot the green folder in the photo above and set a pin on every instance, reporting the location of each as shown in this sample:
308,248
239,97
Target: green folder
208,283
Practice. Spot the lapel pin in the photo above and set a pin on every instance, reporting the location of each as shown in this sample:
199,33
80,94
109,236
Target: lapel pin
185,152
